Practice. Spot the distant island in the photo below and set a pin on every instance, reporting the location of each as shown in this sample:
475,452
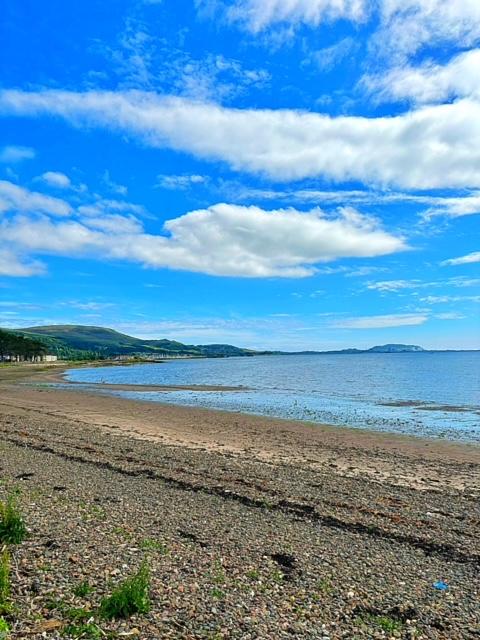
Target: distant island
79,342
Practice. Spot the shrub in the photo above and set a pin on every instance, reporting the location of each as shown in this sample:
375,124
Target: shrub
12,526
5,605
131,596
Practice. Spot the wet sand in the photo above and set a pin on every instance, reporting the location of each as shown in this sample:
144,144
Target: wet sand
409,461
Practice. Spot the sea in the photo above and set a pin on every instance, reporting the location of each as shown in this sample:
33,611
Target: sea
431,394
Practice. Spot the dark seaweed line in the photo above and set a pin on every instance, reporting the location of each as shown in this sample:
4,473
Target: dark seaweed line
307,512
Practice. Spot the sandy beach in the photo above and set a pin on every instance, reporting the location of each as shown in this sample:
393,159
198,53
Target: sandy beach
253,527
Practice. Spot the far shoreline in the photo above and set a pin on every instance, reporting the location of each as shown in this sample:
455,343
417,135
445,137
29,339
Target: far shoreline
53,374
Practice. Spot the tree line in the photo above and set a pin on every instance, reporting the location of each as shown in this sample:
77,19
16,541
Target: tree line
17,347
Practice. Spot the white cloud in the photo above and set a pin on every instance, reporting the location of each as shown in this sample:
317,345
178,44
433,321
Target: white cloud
120,189
467,259
402,27
12,154
447,298
449,315
407,26
436,146
429,82
227,240
382,322
256,15
394,285
328,57
116,224
180,181
15,198
13,265
103,206
88,306
463,281
452,206
56,179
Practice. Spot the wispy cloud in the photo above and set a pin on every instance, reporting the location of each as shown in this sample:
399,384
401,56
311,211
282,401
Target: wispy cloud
328,58
257,15
381,322
114,187
56,179
181,182
429,82
14,265
449,298
470,258
12,154
395,286
16,198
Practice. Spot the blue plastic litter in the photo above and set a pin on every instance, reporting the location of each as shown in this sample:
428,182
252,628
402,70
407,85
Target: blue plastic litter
440,585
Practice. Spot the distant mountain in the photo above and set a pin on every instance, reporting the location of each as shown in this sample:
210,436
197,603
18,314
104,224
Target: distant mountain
395,348
87,342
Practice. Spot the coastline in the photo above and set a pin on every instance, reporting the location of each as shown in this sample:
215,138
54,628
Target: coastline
251,527
383,456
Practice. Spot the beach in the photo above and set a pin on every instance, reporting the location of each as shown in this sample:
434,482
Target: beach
252,527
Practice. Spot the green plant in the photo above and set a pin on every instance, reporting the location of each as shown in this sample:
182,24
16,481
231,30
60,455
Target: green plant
82,589
4,628
325,586
89,631
386,623
5,605
77,613
131,596
150,544
12,526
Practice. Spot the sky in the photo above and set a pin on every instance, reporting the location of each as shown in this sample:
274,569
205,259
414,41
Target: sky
278,174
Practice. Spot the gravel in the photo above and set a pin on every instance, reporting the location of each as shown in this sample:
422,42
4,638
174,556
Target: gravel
237,548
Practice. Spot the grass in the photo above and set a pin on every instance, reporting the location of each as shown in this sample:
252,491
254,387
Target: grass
5,605
78,614
4,628
12,526
88,631
149,544
325,586
129,597
82,589
253,574
386,623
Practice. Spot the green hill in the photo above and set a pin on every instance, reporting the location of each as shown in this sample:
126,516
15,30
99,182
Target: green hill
77,341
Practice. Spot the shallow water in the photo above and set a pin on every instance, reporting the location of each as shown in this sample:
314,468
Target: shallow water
427,394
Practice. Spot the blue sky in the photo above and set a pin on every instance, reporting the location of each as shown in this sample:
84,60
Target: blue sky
283,174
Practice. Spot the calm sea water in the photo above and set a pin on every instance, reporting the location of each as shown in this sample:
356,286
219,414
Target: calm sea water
426,394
